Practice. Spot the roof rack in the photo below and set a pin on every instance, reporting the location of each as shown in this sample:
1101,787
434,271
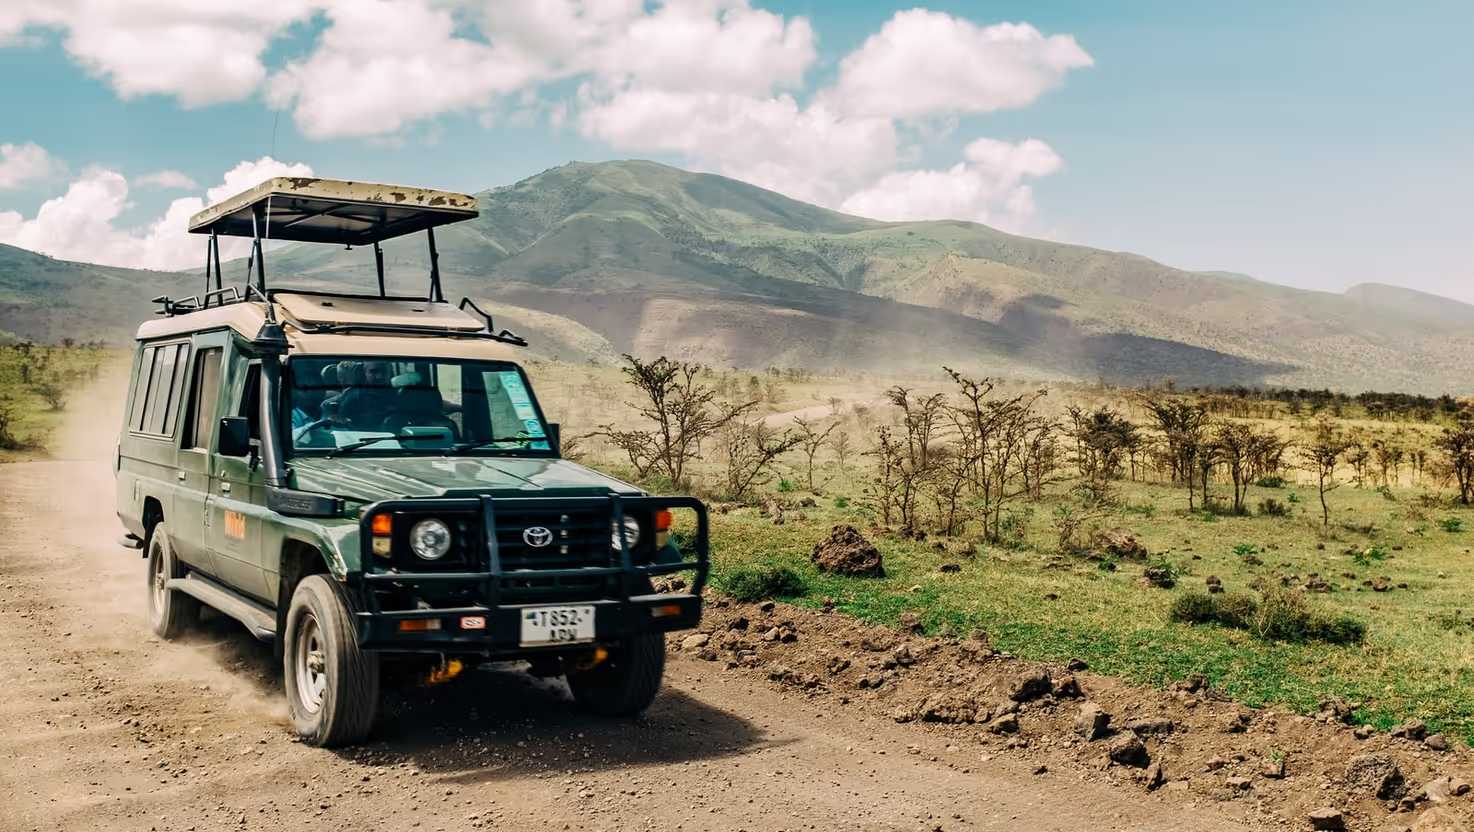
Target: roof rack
306,209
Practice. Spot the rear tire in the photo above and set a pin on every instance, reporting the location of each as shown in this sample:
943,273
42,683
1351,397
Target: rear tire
171,613
332,684
625,683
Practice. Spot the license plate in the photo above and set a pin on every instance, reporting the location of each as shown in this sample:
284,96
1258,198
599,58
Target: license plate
557,625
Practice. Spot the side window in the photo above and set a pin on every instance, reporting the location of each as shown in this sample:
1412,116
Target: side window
157,403
141,386
204,396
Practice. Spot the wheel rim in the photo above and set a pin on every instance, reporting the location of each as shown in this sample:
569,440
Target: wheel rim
158,582
311,665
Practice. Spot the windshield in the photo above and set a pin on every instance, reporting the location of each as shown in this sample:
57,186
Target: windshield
396,405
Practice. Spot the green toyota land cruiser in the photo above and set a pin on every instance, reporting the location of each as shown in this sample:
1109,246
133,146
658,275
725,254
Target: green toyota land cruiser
365,478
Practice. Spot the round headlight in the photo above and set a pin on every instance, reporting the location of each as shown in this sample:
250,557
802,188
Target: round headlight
631,533
430,539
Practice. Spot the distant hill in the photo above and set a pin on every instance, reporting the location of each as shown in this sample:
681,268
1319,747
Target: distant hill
638,256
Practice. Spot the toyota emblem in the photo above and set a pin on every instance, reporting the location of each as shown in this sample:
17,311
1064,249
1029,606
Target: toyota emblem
537,536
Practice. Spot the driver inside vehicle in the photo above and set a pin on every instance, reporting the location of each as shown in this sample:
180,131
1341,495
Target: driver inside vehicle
369,403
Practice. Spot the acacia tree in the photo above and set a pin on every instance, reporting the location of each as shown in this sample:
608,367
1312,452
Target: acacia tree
683,412
810,440
1184,427
1322,453
750,449
1457,445
1247,453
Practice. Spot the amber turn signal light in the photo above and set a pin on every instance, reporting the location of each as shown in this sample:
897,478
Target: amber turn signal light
382,524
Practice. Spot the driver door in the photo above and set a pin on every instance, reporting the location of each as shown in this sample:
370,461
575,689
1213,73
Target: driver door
236,504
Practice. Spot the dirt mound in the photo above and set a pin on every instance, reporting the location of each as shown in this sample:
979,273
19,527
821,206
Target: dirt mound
846,552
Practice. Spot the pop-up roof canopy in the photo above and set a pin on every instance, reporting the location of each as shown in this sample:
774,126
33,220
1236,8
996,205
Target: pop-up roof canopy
310,210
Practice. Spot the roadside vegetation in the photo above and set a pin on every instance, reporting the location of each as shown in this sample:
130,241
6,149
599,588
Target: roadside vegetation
1291,546
37,383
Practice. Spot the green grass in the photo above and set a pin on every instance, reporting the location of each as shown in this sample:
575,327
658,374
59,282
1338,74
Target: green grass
1415,660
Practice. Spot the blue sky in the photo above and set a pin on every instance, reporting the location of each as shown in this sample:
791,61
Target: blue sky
1313,144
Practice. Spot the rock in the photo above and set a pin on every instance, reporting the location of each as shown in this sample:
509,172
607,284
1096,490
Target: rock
1236,722
1092,721
910,622
1363,732
871,680
1413,729
1327,819
1438,819
1155,777
1121,543
950,567
1066,687
1444,789
738,623
1382,584
706,654
1159,576
1215,763
1213,583
1239,784
1005,724
767,606
1028,685
1436,742
1194,683
950,708
1128,750
1336,709
1315,583
846,552
838,664
1154,726
1076,665
1376,773
904,656
1274,769
694,641
773,634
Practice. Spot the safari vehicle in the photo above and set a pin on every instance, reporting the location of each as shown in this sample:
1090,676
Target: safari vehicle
369,479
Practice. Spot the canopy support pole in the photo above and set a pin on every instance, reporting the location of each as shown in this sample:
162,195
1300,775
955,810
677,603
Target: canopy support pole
215,252
379,263
436,295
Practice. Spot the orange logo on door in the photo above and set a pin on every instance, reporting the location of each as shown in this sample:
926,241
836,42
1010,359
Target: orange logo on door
235,525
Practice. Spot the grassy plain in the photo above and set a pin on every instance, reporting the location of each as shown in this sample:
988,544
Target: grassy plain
1032,601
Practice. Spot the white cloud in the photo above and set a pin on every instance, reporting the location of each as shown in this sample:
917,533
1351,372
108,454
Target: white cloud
809,153
923,63
987,187
82,224
383,64
21,163
200,53
168,180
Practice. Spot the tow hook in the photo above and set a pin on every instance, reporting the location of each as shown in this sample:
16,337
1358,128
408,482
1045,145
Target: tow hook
446,670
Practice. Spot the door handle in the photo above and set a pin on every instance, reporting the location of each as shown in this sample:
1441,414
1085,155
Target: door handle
224,488
180,476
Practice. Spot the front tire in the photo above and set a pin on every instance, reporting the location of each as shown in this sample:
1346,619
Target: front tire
171,613
332,684
626,682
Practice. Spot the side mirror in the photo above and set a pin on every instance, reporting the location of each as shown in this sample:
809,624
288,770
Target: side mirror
234,436
555,438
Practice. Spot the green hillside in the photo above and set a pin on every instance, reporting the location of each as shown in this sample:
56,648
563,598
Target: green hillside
593,259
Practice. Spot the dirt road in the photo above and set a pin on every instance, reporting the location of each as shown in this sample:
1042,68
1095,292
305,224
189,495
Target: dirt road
102,726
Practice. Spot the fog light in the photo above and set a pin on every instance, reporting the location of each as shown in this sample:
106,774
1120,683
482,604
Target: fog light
383,546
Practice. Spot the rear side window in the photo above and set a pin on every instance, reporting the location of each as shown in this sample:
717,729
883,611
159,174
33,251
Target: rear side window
159,389
204,396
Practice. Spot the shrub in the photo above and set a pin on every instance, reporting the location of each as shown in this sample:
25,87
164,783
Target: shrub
1270,507
785,485
1365,557
1452,525
1278,615
1271,481
1386,492
841,502
759,583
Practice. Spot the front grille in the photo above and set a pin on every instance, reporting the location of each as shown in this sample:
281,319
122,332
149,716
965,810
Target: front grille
579,538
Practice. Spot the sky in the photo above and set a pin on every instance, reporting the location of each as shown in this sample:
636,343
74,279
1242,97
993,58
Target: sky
1315,144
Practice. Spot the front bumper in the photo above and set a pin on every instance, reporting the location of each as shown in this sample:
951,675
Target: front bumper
626,608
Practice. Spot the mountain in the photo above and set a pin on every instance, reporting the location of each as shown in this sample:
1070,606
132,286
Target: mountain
595,259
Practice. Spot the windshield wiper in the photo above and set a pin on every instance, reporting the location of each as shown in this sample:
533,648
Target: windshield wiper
481,443
363,443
